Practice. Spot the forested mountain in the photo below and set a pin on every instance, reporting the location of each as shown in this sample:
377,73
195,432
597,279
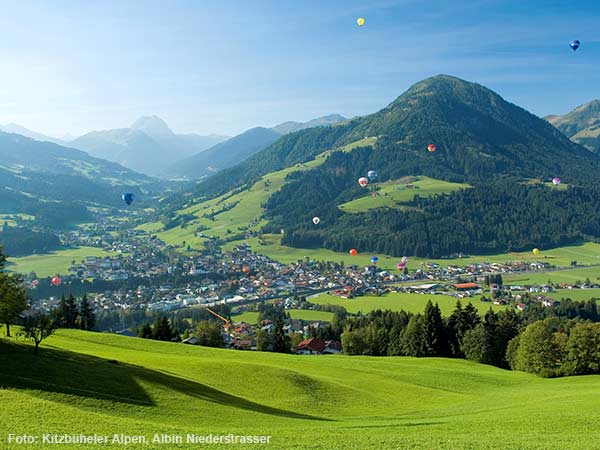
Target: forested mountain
239,148
225,154
54,183
481,139
582,125
148,146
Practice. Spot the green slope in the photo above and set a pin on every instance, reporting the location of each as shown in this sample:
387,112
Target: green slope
247,212
94,383
392,194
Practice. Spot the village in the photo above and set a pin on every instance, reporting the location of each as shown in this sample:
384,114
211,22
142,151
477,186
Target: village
144,274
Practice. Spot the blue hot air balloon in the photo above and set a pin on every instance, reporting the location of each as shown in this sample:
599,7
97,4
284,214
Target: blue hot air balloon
372,174
575,44
128,198
374,259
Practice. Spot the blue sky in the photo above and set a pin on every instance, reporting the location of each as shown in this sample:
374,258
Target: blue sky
225,66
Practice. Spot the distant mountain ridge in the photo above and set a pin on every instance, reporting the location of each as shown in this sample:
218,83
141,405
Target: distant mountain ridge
582,125
148,146
19,129
238,148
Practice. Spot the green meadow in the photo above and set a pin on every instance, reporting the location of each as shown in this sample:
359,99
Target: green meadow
53,263
396,301
391,194
106,384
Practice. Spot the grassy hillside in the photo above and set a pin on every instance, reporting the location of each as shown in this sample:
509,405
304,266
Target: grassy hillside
392,194
94,383
247,212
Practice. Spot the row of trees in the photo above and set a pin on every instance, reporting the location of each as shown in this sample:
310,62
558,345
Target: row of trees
74,314
554,347
565,341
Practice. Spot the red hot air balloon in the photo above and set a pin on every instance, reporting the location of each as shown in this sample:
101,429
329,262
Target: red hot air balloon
431,148
246,269
354,252
56,281
363,181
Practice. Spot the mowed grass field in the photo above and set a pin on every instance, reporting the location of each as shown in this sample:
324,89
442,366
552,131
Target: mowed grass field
106,384
53,263
391,194
397,301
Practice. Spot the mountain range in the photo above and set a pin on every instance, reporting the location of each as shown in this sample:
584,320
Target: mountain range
241,147
582,125
147,146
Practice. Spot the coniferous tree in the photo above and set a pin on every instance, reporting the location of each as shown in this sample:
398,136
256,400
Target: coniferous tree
87,317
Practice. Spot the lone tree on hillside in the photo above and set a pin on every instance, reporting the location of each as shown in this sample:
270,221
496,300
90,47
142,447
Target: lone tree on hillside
39,328
13,296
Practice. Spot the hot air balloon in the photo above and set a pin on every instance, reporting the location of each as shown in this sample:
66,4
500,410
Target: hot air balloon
536,251
556,181
128,198
372,174
363,181
360,21
56,281
404,259
574,44
374,260
431,148
35,284
353,252
246,269
316,220
400,266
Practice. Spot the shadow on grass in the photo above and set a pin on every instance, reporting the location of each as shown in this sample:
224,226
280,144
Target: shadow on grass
81,375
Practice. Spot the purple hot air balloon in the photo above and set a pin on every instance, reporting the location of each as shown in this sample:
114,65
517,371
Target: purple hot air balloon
400,266
556,181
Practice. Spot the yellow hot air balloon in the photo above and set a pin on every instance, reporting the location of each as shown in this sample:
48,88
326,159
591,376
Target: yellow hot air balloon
536,251
360,21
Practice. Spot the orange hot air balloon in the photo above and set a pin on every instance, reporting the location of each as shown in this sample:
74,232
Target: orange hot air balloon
246,269
431,148
56,281
354,252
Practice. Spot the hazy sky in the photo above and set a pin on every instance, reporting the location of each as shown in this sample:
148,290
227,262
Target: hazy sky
224,66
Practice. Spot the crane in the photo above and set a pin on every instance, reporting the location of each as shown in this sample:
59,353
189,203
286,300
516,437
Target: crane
227,322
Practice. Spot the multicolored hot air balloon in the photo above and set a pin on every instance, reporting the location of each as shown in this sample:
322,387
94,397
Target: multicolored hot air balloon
128,198
536,251
374,260
431,148
363,181
574,44
56,281
35,284
353,252
316,220
372,174
360,21
556,181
